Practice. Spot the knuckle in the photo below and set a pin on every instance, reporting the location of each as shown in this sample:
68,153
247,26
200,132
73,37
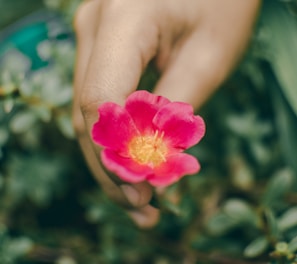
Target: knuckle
86,106
89,103
78,124
79,17
120,10
116,5
85,12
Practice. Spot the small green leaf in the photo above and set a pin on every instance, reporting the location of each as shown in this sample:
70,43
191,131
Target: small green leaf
247,126
26,88
8,104
281,248
241,173
240,211
65,260
278,185
44,49
288,219
16,62
220,224
64,96
22,121
64,123
43,112
271,223
4,135
256,247
286,124
20,246
292,246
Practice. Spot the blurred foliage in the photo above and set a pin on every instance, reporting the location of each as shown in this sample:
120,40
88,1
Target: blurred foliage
241,208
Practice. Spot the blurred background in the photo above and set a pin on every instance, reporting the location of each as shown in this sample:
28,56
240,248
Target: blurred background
242,206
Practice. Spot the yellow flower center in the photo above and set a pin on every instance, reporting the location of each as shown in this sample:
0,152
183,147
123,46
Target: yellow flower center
148,149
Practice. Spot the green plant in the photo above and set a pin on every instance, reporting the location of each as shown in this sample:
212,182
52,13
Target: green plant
241,207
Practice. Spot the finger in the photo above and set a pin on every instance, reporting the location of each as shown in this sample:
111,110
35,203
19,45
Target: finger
117,61
126,41
136,195
88,14
85,21
194,74
145,217
208,55
85,37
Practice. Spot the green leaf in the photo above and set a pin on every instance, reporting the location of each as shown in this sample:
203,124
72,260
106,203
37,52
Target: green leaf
278,185
44,49
16,62
64,96
66,260
271,223
281,27
8,104
42,111
4,135
220,224
256,247
37,177
53,90
292,246
240,211
20,246
247,126
22,121
286,124
26,88
288,219
65,125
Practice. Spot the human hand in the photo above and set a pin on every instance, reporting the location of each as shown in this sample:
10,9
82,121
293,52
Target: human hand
195,44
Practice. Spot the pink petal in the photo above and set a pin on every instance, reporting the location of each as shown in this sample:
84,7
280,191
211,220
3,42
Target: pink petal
176,166
114,128
143,106
179,124
125,168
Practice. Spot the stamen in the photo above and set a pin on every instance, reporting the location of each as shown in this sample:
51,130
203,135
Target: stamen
160,139
148,149
156,135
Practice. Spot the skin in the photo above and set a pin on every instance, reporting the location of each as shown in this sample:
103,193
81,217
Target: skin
195,44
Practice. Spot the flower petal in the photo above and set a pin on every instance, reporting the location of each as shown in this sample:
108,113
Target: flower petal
114,128
179,124
142,107
125,168
176,166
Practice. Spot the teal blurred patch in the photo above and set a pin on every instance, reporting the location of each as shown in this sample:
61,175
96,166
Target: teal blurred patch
26,40
26,34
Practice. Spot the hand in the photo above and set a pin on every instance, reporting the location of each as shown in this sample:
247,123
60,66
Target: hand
194,43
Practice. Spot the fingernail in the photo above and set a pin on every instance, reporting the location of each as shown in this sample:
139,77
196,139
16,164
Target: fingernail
131,194
139,218
145,218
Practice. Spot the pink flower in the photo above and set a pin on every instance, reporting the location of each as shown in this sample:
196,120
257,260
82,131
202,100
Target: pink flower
145,139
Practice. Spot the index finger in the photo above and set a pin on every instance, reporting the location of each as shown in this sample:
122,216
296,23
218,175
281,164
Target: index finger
125,43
